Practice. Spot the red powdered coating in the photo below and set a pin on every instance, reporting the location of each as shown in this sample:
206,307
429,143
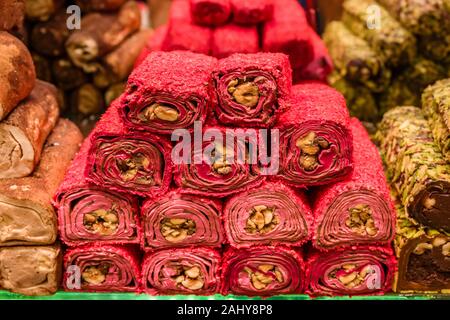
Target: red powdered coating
183,34
231,38
288,32
288,220
180,220
154,44
102,268
243,271
321,65
200,177
318,110
139,163
270,73
179,81
164,271
252,11
329,273
365,193
210,12
77,197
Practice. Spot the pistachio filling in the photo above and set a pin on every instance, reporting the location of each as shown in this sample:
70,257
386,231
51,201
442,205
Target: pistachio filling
311,145
104,222
244,92
157,111
95,274
360,220
264,276
220,164
349,277
188,277
261,220
177,229
131,167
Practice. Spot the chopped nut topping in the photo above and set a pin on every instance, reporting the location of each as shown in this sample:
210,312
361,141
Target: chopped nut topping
176,229
188,277
261,220
104,222
421,247
159,112
264,276
360,220
311,146
244,92
95,274
446,249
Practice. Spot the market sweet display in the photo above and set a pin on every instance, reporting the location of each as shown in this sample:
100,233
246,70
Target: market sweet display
36,149
387,61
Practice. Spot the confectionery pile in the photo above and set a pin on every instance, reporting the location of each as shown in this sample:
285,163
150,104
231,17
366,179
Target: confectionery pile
225,164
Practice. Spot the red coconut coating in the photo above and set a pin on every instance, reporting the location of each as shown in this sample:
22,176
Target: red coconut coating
154,44
290,207
203,212
183,34
231,38
270,72
288,32
201,179
76,196
252,11
161,268
119,266
321,65
178,80
210,12
324,269
112,142
315,107
240,266
365,186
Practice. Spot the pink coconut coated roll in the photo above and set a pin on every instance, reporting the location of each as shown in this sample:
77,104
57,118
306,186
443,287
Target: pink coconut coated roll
228,39
350,271
357,210
182,271
252,11
210,12
262,271
180,220
102,268
271,214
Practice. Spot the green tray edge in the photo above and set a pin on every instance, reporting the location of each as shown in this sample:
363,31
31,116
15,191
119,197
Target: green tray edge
62,295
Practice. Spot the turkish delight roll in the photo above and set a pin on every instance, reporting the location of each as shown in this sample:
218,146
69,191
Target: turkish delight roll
350,271
368,20
354,59
315,138
227,40
436,106
422,253
182,270
168,91
262,271
270,214
251,11
17,74
278,35
31,270
26,213
101,268
179,220
436,48
357,210
416,168
252,88
210,12
24,131
183,34
154,43
135,162
89,213
215,168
